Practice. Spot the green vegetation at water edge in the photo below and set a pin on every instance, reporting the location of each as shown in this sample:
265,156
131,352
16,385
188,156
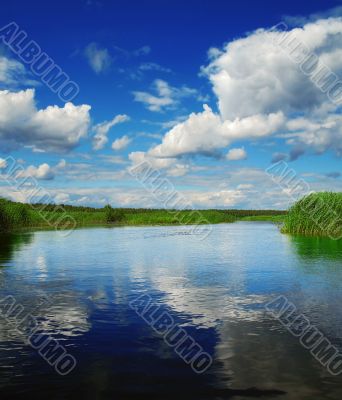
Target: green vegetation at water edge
318,214
13,214
277,219
16,215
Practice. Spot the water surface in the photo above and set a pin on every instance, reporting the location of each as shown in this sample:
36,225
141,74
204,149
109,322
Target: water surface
215,289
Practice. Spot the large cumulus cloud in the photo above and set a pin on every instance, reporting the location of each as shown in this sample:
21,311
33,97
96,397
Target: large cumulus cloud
261,91
56,129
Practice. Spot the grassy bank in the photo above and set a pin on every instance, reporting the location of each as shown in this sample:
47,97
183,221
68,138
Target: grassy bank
318,214
17,215
277,219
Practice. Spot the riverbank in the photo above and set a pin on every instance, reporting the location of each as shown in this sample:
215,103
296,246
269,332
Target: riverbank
17,215
318,214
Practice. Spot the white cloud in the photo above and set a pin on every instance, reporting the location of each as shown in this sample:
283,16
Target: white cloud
245,186
62,198
142,51
57,129
254,75
62,164
236,154
321,134
206,132
261,92
9,69
43,172
165,96
137,157
138,73
100,138
3,163
276,157
121,143
151,66
98,58
13,73
172,166
113,159
248,188
221,199
178,170
302,20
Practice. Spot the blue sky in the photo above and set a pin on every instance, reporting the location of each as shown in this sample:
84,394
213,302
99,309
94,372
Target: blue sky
202,91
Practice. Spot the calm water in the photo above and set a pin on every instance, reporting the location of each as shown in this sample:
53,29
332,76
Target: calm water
215,289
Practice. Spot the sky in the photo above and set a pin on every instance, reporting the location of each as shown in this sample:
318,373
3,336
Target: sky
210,94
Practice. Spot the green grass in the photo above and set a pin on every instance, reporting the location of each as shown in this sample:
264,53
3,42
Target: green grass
277,219
16,215
176,217
13,214
318,214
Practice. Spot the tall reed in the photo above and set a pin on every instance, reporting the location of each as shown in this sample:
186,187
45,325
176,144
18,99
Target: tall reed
318,214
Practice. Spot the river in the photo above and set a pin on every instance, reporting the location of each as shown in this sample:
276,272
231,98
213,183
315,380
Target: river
87,291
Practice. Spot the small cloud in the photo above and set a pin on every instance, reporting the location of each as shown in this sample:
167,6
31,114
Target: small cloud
333,175
276,157
34,149
44,172
61,164
150,135
151,66
13,73
236,154
113,159
203,98
62,198
178,170
300,20
142,51
214,52
245,186
3,163
83,200
165,97
296,152
127,54
100,138
98,58
121,143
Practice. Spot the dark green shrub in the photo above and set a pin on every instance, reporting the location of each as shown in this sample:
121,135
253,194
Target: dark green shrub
113,214
4,220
